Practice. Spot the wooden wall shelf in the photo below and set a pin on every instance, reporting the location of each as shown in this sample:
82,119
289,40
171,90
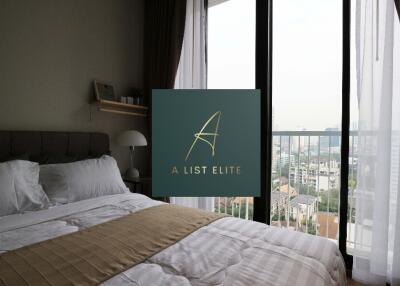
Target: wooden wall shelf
121,108
121,104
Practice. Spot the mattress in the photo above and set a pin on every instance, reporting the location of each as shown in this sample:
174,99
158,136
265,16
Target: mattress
229,251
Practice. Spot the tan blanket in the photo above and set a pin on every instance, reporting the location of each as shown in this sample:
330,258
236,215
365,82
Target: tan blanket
96,254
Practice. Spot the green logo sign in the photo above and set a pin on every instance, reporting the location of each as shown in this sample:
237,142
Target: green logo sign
206,143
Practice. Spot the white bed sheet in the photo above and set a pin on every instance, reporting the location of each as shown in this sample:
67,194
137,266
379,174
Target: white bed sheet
229,251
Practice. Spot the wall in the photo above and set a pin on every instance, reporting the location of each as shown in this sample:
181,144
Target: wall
50,53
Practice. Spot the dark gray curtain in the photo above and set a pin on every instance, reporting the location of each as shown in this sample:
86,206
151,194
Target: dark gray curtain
164,30
397,2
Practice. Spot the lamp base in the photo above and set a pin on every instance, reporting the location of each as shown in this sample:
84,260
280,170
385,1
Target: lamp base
132,173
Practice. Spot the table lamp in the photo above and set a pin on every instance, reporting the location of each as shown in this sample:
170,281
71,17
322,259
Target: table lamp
132,138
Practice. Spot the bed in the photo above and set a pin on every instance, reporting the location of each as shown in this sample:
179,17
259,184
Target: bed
226,251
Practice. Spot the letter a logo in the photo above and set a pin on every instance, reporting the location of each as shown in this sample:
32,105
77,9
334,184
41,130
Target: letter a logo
201,135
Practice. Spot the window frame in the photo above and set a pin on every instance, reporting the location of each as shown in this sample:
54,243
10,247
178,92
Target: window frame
263,75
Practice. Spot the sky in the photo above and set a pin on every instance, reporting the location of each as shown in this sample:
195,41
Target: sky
307,59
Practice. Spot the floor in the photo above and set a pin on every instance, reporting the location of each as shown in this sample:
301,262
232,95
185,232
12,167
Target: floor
351,282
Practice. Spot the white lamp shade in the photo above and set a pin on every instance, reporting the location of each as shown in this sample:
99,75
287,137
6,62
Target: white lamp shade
132,138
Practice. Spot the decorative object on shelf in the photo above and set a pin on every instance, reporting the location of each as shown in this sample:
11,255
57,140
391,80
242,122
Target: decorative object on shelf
132,138
104,91
137,96
107,101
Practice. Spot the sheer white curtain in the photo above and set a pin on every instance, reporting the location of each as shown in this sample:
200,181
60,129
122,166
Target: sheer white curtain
377,239
192,69
192,73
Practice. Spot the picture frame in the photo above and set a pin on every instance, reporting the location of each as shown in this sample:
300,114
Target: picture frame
104,90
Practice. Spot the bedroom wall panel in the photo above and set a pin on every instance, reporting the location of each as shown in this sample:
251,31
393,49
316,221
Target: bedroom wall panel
52,50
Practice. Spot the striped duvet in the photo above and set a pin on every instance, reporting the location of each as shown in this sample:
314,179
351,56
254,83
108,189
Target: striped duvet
229,251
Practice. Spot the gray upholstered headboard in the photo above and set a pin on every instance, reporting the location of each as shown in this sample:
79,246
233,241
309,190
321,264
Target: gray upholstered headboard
52,147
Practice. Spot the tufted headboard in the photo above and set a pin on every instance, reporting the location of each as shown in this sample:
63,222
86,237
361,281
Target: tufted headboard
48,147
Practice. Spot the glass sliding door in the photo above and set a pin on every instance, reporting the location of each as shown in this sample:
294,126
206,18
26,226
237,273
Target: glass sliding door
231,65
306,103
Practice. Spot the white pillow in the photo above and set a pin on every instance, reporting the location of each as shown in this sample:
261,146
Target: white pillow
24,176
71,182
30,194
8,198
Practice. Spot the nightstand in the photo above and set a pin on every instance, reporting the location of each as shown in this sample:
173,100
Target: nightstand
142,186
134,183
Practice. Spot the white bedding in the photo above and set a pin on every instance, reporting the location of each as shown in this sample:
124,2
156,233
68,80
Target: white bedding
229,251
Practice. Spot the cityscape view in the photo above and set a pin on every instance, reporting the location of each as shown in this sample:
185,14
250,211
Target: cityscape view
305,189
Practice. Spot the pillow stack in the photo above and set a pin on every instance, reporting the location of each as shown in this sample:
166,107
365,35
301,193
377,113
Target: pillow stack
62,183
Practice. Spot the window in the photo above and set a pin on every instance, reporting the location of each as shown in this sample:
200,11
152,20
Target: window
231,65
307,91
306,107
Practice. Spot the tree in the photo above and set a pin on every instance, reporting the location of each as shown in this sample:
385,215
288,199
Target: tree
307,190
352,183
331,196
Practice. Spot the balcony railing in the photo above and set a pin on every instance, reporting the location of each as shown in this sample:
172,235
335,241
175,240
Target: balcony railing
305,183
